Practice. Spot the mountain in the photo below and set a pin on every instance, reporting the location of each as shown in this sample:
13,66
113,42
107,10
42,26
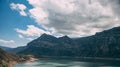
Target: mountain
102,44
13,50
5,48
16,50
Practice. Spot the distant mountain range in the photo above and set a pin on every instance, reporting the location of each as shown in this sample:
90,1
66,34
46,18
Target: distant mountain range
102,44
13,50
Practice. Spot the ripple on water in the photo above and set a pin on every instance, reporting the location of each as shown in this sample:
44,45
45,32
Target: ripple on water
63,63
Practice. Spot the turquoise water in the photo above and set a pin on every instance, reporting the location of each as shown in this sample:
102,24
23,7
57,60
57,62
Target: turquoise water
67,63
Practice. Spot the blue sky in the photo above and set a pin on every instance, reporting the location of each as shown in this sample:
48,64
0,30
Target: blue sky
21,21
9,21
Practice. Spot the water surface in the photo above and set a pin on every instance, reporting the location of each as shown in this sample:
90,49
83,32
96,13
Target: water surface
67,63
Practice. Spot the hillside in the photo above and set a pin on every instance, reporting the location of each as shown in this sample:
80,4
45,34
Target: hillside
8,59
102,44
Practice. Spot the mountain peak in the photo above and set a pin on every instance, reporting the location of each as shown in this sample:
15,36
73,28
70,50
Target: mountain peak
64,37
46,37
103,44
44,34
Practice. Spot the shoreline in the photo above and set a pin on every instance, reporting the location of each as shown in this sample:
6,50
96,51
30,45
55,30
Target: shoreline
77,57
83,58
91,59
12,63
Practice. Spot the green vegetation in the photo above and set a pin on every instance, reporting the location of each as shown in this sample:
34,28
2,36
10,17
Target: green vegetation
3,63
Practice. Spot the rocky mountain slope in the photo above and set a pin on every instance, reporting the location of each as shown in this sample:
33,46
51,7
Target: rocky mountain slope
102,44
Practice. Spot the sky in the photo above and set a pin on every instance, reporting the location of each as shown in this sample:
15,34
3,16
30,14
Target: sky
22,21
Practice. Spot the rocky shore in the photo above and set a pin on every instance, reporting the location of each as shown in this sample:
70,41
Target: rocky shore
8,59
23,59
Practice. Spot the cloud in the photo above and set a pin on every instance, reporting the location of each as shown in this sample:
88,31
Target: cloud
20,8
25,38
114,4
20,36
32,31
6,41
42,17
30,39
73,17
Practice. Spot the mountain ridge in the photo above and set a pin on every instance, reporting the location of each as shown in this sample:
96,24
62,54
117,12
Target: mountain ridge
102,44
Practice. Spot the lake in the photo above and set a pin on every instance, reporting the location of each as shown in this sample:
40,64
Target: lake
68,63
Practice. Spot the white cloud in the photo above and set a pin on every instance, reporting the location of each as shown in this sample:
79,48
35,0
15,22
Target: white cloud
41,7
6,41
30,39
63,6
20,36
19,7
25,38
39,15
73,17
32,31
